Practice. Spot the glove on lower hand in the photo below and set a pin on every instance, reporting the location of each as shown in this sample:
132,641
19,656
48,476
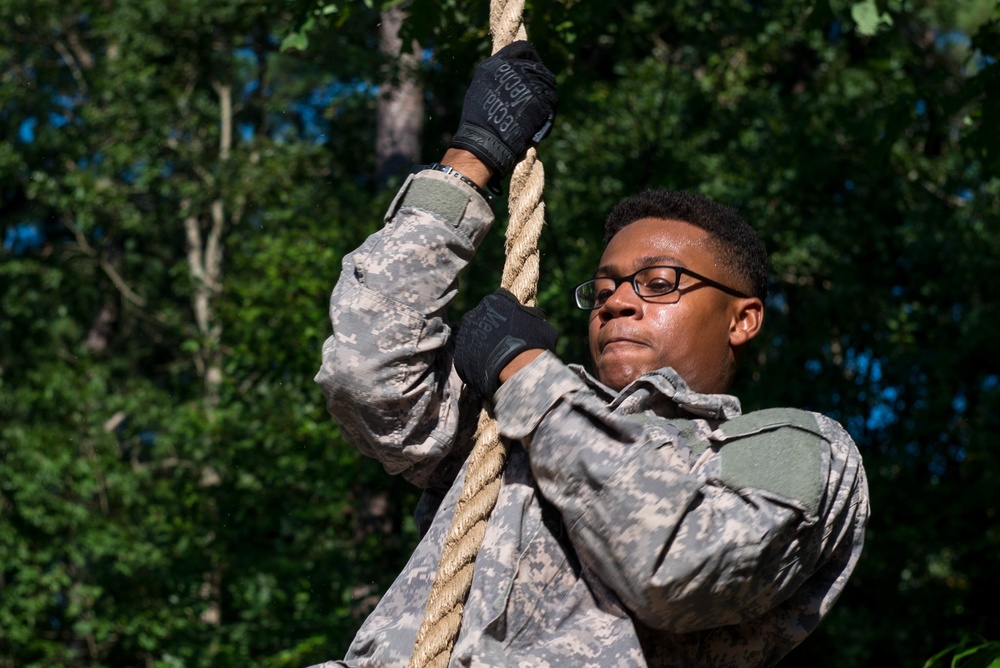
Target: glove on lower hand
510,103
495,332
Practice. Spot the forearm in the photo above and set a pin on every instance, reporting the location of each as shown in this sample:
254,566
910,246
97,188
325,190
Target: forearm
431,232
386,369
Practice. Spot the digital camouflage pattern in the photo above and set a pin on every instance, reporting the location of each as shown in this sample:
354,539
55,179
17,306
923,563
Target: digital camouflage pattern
656,526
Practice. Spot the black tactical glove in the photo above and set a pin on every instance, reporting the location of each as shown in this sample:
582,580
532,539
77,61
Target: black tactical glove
494,333
511,102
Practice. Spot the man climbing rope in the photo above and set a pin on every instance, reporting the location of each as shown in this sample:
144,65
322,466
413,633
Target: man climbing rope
642,519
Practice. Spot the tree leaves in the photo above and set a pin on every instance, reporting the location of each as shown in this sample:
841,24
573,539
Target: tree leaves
868,18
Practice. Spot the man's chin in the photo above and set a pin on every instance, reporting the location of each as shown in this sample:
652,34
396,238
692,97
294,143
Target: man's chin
617,377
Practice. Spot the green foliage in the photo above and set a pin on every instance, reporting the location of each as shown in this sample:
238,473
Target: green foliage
868,18
151,517
144,520
969,653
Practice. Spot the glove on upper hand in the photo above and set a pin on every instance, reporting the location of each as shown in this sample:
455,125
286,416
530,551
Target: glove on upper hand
511,102
494,333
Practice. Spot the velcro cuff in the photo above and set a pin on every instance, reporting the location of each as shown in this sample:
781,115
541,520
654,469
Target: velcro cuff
485,146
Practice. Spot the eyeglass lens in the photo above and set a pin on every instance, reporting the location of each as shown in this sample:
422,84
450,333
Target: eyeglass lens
648,282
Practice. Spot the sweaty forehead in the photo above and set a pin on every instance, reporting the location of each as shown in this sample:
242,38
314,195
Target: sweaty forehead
652,241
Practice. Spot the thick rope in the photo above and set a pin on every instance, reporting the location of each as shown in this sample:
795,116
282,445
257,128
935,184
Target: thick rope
443,617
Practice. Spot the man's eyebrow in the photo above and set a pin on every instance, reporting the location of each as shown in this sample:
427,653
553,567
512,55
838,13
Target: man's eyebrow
640,263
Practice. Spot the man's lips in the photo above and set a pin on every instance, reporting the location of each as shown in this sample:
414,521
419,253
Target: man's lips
614,342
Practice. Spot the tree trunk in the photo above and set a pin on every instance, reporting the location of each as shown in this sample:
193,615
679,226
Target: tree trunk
400,113
205,254
205,264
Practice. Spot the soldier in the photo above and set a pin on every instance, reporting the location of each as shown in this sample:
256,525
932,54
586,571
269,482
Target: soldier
642,519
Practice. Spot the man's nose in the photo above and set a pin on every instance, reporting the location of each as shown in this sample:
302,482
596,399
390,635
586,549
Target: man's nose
622,302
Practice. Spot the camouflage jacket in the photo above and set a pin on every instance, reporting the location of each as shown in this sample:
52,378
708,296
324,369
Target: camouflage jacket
655,526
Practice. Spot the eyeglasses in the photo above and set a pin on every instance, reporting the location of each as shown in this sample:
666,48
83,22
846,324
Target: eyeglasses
650,283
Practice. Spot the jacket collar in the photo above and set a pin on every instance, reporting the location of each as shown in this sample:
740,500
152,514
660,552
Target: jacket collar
664,392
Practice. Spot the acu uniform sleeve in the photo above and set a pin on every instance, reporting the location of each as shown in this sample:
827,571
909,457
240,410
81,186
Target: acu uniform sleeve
387,371
687,550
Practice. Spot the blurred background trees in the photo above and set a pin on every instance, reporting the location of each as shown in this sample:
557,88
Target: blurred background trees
178,183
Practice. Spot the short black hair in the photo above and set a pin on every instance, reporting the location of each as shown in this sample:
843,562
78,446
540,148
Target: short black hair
740,248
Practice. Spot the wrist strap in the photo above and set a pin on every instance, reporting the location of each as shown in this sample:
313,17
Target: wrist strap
488,195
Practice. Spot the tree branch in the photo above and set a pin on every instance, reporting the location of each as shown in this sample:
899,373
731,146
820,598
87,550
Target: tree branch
109,270
71,64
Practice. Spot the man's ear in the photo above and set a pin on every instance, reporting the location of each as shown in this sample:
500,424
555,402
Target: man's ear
748,318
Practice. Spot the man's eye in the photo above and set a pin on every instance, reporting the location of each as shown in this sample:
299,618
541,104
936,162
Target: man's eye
658,286
604,295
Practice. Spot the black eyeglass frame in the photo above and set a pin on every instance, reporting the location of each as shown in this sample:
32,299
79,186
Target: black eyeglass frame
680,271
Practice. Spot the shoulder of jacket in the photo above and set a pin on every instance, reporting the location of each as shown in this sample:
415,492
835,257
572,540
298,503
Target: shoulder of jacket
783,451
770,419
